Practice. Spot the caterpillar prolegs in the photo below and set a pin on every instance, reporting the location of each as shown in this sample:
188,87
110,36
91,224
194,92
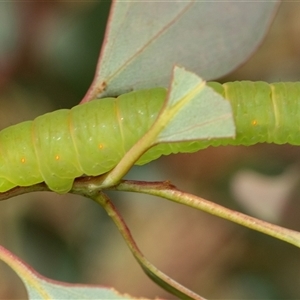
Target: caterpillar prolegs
92,138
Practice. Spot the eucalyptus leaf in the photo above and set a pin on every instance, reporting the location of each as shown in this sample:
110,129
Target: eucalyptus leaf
195,111
40,287
144,40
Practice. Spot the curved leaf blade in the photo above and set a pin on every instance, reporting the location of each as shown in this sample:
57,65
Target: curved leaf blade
40,287
194,111
196,35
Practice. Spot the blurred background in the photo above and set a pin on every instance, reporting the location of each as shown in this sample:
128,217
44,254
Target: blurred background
48,54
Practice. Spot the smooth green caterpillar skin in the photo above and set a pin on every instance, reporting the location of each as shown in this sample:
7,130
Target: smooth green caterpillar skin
92,138
263,113
88,139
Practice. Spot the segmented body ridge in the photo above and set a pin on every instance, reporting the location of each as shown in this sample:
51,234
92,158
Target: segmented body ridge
92,138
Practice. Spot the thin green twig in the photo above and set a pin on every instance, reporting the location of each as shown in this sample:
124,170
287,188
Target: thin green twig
170,192
156,275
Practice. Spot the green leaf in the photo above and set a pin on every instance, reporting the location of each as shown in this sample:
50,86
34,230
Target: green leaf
194,111
40,287
45,289
210,38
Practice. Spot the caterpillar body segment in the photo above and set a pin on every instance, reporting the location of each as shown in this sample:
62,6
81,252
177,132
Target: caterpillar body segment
92,138
263,113
88,139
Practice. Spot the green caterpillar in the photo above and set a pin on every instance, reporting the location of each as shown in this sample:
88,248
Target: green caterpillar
92,138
